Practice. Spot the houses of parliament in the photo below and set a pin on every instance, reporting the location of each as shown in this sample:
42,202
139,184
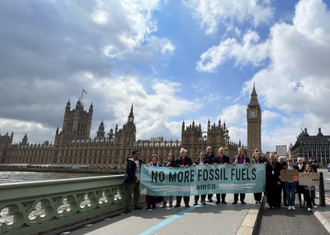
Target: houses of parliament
73,145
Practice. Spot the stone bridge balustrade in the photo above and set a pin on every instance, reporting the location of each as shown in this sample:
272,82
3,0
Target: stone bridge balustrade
34,207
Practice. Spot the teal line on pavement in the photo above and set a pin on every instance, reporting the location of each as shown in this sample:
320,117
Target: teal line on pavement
168,221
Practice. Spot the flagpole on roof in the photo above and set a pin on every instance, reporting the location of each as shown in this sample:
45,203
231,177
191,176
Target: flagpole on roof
82,89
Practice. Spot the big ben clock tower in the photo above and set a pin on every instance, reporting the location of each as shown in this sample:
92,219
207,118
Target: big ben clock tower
253,124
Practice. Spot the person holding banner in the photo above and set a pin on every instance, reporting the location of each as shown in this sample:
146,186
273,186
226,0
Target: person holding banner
210,156
240,159
183,161
132,180
201,161
152,200
273,182
290,187
309,194
169,163
221,159
256,159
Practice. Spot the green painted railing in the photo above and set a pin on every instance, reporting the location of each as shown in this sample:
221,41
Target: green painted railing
36,207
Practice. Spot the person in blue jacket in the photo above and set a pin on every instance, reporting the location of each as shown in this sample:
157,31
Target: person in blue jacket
183,161
132,180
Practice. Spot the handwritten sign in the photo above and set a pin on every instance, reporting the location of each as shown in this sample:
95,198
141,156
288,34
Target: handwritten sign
289,175
281,150
309,179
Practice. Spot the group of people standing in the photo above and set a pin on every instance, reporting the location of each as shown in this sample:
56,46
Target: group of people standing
274,185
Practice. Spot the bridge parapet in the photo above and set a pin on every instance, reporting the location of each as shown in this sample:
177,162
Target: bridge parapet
35,207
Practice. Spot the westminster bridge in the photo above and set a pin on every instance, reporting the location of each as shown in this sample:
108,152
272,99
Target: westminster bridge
95,205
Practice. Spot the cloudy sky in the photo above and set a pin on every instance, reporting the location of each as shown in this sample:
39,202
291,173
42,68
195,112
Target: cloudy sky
175,60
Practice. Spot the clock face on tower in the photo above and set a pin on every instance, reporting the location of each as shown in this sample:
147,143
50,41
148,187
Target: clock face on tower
253,114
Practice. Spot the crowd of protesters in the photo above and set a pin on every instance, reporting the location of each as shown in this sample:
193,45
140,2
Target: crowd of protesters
274,186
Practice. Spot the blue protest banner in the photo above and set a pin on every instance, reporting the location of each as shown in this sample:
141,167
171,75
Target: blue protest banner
199,180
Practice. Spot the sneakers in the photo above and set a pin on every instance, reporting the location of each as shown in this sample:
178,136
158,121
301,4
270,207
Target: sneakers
257,202
195,203
293,208
315,206
148,207
204,203
289,208
309,209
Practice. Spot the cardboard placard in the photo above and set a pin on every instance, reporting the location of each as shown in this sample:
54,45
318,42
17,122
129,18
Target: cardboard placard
289,175
309,179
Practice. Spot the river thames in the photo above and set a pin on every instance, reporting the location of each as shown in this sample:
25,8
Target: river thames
22,176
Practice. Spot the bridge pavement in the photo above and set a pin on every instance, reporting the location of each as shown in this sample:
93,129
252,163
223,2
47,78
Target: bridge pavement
209,219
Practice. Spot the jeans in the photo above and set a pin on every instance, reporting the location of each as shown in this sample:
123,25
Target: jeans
290,189
169,197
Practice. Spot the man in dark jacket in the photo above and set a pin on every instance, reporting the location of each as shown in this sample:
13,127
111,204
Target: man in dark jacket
200,162
221,159
183,161
209,155
273,182
132,180
240,159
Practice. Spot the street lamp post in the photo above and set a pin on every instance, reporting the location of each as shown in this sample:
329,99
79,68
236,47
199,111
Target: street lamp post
226,139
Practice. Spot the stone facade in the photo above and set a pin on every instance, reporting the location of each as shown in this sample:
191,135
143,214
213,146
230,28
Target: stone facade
253,116
311,146
73,145
5,146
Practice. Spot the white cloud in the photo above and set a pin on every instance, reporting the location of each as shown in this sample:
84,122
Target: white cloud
235,114
295,81
238,134
152,109
210,14
268,115
297,78
247,52
23,127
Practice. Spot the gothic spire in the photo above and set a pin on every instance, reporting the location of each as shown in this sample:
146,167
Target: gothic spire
131,115
254,96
